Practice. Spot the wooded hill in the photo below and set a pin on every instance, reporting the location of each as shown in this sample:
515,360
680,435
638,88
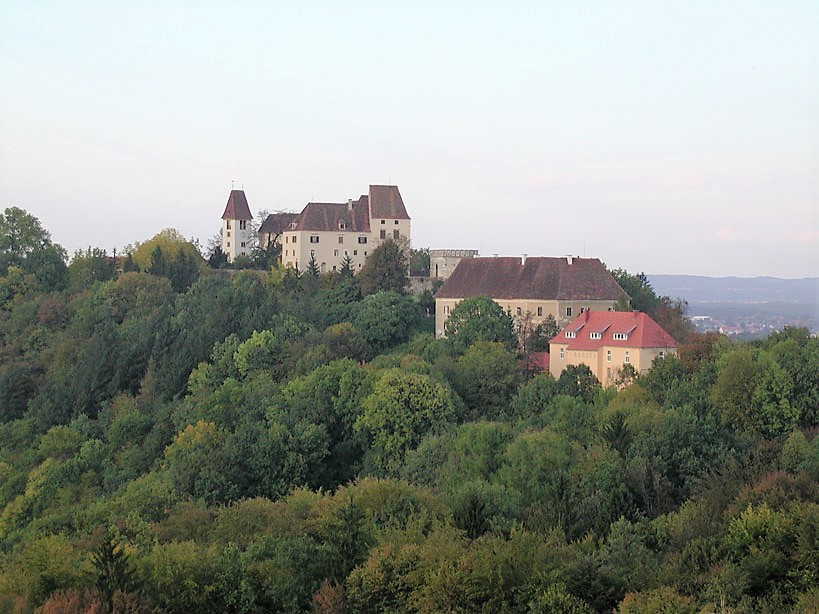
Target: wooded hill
174,439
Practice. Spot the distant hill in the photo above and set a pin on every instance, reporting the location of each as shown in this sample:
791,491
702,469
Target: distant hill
696,289
755,304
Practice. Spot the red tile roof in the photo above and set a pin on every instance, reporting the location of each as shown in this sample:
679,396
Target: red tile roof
536,278
386,203
539,361
642,331
330,216
237,207
276,223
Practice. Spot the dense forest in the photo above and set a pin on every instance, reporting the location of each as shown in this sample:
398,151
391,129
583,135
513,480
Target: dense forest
176,438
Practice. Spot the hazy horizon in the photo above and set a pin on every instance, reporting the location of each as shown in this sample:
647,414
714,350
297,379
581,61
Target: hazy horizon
678,139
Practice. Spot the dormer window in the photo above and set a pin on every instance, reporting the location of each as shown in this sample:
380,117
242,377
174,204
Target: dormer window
570,334
595,336
620,336
342,225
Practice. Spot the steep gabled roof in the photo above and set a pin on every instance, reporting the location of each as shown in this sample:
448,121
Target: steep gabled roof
237,207
276,223
535,278
330,216
641,331
386,203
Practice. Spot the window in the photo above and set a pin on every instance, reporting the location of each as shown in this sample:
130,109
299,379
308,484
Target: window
561,354
383,221
396,234
518,311
228,243
620,336
570,334
314,239
608,355
242,224
540,311
446,309
628,358
312,253
340,239
396,222
341,225
582,309
346,253
362,240
355,252
365,253
383,234
244,244
335,252
662,354
594,335
228,234
568,312
287,238
294,238
228,224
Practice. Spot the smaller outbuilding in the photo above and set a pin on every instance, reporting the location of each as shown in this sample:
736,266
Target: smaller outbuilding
606,341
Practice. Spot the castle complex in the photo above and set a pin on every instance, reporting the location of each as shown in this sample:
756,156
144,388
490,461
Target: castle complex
327,233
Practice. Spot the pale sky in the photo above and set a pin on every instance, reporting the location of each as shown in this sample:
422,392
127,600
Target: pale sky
665,137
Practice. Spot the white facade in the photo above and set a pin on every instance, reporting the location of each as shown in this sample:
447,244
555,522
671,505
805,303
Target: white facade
237,238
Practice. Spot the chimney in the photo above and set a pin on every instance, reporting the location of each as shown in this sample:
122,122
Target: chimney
523,259
349,204
569,259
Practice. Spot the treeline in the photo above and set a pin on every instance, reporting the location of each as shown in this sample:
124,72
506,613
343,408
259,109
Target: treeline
255,442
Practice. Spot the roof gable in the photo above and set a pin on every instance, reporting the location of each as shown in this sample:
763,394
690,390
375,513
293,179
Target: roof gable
276,223
333,217
237,207
628,329
386,203
534,278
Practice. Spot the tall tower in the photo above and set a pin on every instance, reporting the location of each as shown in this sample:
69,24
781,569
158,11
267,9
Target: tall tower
237,235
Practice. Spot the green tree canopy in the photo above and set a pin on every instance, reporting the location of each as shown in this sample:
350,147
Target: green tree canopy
386,319
26,245
400,410
479,319
385,269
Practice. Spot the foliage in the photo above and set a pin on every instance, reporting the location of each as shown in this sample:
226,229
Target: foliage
385,269
400,410
479,319
419,262
486,377
386,319
236,446
170,255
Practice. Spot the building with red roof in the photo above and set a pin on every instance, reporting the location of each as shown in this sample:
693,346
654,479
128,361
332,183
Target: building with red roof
331,232
530,287
237,231
605,341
